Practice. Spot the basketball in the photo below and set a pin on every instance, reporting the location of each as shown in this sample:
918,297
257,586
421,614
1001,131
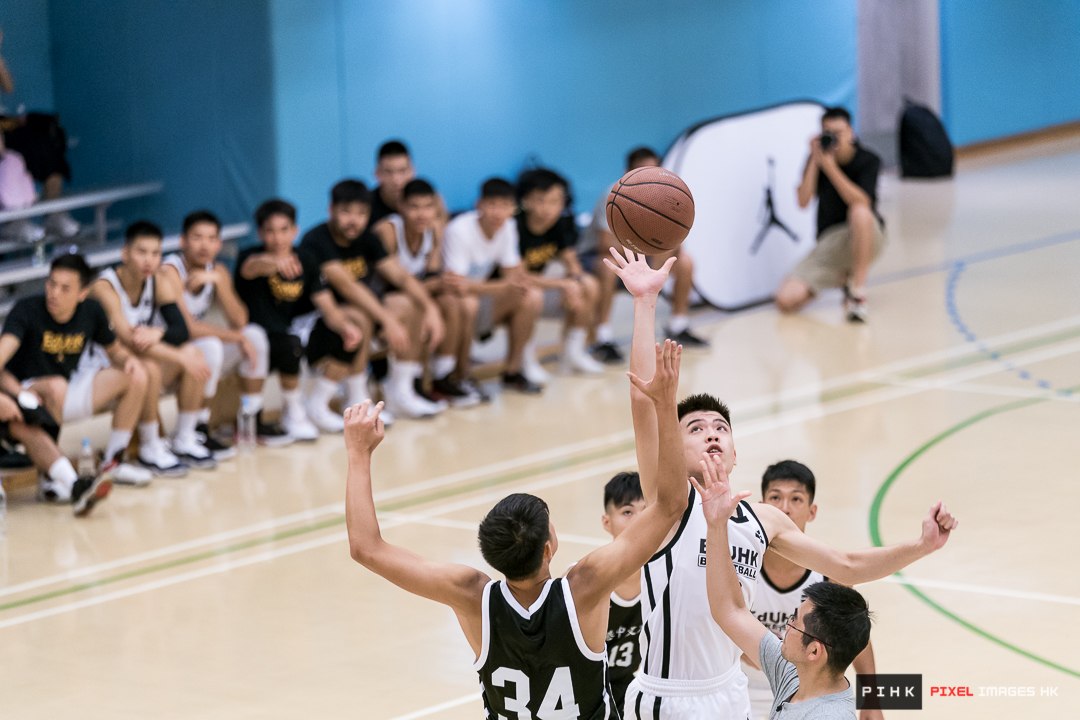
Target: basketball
650,210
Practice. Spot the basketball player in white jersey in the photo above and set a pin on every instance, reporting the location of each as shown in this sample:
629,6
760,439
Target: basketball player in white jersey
789,486
691,667
142,305
242,346
415,236
538,640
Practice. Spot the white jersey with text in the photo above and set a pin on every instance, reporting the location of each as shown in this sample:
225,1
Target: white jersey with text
140,314
199,304
414,264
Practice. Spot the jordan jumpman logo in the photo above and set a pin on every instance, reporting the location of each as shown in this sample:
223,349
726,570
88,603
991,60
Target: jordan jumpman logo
771,220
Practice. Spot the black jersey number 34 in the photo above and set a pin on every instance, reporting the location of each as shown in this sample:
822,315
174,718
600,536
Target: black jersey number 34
558,703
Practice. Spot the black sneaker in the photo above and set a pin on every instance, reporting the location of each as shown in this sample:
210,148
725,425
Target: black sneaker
218,449
689,340
455,393
474,387
517,381
608,352
271,434
88,492
854,307
11,460
431,397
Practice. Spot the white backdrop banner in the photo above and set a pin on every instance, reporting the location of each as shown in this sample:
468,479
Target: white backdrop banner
743,171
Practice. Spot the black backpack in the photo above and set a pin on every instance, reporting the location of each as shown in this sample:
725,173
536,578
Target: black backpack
925,149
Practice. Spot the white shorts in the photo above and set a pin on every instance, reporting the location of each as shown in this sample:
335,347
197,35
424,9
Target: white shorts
761,695
79,401
721,698
302,325
225,359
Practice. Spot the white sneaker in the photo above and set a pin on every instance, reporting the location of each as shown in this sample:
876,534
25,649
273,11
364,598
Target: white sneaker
296,423
193,453
325,419
50,491
156,458
128,474
408,404
575,358
62,224
531,368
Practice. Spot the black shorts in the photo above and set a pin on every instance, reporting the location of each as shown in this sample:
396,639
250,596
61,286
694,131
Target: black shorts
325,343
285,352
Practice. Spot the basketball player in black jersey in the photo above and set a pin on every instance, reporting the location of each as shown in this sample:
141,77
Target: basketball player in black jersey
539,641
623,502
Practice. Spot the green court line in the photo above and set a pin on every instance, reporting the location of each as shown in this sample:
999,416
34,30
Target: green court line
875,530
855,388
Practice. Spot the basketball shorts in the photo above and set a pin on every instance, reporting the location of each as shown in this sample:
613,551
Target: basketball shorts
325,343
79,401
830,263
721,698
286,350
226,358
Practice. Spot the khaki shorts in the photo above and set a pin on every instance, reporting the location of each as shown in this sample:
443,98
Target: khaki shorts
829,264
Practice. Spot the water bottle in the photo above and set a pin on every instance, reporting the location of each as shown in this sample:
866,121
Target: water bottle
3,511
245,426
87,465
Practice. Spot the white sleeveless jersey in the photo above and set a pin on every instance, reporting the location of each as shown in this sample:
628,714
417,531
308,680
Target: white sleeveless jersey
140,314
416,264
683,641
197,305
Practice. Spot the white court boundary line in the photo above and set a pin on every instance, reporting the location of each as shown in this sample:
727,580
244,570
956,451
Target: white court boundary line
440,707
899,389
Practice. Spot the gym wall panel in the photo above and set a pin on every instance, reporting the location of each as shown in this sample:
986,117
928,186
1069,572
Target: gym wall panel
179,92
26,52
1008,67
483,87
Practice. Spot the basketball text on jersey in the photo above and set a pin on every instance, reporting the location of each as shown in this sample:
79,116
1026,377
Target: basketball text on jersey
60,344
357,266
746,560
285,290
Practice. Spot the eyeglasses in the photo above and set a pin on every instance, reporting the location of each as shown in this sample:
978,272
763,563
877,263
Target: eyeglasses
792,627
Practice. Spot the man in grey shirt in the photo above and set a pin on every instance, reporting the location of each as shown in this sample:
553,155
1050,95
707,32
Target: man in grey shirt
831,626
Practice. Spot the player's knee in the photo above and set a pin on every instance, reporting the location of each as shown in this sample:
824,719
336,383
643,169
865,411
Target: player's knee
256,335
55,389
470,306
534,299
859,214
212,350
138,378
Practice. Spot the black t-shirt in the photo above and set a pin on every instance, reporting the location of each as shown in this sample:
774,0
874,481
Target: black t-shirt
863,171
271,300
538,250
47,347
360,257
379,208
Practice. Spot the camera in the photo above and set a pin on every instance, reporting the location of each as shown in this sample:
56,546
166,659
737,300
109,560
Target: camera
828,140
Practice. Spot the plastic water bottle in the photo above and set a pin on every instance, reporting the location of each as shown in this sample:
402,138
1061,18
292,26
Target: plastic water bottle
3,512
87,465
245,426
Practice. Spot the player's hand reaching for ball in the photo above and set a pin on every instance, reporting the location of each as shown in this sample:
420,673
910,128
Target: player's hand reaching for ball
638,277
936,526
363,427
665,381
717,500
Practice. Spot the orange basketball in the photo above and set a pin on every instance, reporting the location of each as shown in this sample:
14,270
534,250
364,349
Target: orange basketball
650,210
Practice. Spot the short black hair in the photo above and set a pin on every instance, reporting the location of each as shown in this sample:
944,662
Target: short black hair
417,187
638,154
73,261
201,216
274,206
391,148
789,470
497,187
513,534
840,619
541,179
350,191
836,111
623,489
141,228
703,402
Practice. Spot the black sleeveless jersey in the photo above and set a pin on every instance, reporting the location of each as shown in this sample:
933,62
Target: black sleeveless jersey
623,645
534,662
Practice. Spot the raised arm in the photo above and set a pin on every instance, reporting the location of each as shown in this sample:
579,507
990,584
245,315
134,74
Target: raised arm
808,186
601,571
459,586
644,284
855,566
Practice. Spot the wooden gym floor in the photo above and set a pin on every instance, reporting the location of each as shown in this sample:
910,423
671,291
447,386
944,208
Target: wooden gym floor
231,594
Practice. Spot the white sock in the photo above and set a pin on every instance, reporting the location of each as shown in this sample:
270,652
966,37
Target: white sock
575,340
252,401
63,474
443,366
290,398
604,334
118,442
204,416
148,433
403,373
185,425
678,323
323,392
358,390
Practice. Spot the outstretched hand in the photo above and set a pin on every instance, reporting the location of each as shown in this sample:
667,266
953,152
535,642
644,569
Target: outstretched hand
638,277
665,381
717,502
363,427
937,525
